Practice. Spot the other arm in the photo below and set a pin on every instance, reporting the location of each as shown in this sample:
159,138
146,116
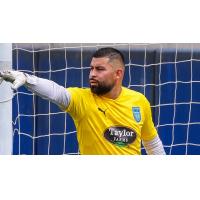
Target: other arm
154,146
150,138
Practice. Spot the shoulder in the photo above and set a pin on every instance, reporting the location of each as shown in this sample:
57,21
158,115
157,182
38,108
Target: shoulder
79,92
136,98
134,94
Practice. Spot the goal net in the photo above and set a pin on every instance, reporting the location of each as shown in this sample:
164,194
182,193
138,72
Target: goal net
167,74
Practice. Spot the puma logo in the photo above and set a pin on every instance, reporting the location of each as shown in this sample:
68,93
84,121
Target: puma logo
103,111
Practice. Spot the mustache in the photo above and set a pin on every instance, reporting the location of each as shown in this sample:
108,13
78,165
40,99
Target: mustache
92,79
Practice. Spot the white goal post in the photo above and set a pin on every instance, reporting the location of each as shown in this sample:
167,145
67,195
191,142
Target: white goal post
6,94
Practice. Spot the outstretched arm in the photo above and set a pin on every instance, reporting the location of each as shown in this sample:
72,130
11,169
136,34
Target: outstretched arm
42,87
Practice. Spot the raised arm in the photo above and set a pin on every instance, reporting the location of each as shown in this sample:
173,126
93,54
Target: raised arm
42,87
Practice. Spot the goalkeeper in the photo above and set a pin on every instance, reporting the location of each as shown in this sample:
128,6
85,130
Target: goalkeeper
109,118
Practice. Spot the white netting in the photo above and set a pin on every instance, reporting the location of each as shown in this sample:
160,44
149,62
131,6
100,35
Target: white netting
167,74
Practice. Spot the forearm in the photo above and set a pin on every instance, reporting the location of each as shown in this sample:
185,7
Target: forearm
154,147
48,90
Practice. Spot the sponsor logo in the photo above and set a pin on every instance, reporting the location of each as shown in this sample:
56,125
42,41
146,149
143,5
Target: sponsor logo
136,113
120,136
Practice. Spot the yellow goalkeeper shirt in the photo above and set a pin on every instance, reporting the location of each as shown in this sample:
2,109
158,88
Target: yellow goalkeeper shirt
107,126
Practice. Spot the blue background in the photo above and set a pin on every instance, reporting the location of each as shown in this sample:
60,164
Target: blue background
168,78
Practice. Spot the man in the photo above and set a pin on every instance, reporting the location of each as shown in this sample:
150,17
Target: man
109,118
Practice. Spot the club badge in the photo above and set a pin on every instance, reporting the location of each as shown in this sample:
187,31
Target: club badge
136,114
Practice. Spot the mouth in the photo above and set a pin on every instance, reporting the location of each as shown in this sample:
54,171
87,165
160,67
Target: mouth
93,82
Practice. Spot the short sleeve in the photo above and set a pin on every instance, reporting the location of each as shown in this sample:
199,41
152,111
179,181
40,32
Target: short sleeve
148,131
78,103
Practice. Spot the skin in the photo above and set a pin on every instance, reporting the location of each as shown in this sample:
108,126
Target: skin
104,71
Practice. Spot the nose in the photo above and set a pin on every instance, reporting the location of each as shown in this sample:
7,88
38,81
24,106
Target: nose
92,73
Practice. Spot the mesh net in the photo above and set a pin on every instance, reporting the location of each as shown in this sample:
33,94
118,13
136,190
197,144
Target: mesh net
167,74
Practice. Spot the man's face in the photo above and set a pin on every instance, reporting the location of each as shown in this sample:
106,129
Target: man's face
102,76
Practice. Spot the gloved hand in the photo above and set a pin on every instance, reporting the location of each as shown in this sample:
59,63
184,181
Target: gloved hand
15,77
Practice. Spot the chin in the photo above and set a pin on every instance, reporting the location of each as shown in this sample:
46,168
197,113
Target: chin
93,90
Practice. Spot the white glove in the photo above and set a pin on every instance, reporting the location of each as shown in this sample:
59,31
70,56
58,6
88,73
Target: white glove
1,79
15,77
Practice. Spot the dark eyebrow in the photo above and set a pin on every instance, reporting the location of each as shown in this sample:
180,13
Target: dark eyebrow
97,66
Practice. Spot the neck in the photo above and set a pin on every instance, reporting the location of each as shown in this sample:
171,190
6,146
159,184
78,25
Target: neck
114,93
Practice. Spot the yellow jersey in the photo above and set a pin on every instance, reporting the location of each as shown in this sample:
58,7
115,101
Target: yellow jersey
106,126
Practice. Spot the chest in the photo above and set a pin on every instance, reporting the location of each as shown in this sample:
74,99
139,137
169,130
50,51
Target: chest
124,113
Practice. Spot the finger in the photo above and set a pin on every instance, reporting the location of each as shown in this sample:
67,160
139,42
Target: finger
7,76
16,84
1,80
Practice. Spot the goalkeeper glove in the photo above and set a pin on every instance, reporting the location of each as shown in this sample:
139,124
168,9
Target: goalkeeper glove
15,77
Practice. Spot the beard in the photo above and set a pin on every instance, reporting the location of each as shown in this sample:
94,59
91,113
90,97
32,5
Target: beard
101,88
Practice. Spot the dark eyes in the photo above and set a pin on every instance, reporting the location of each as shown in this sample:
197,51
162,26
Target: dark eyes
97,68
100,69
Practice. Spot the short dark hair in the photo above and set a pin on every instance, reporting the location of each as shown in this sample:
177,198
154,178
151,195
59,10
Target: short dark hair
109,52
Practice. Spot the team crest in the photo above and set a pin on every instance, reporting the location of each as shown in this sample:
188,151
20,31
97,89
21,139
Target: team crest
136,113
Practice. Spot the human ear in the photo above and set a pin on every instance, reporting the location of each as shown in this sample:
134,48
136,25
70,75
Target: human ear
118,73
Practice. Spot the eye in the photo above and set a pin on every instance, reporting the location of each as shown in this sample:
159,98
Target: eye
91,68
100,68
